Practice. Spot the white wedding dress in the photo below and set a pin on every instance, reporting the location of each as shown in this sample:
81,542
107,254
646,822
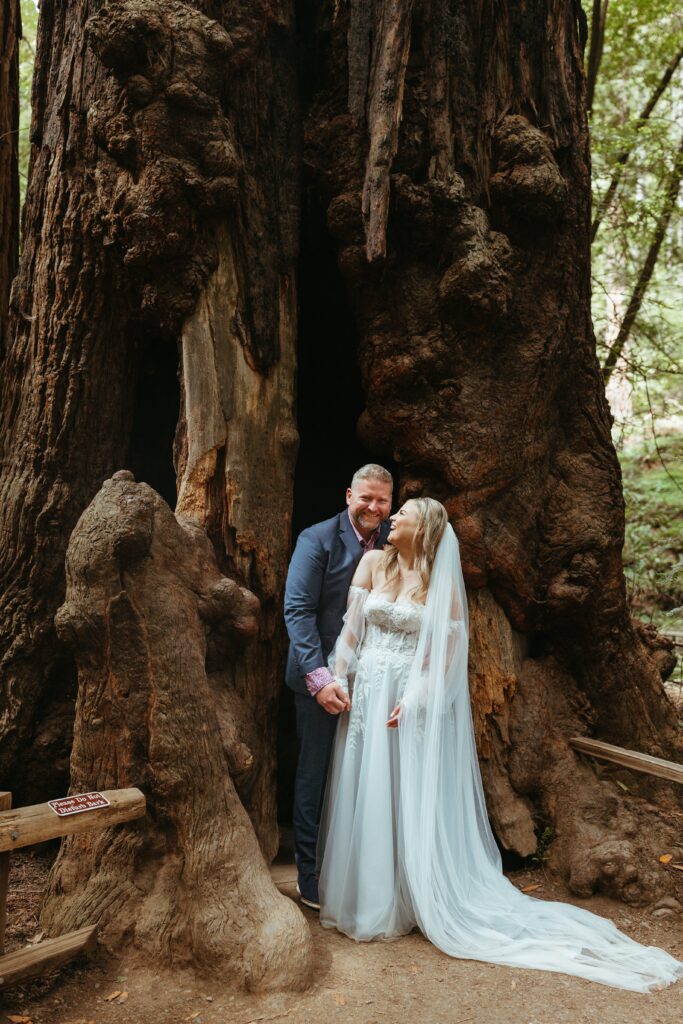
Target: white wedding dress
404,837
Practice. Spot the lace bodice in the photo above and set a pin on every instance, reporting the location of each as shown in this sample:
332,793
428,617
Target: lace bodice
392,626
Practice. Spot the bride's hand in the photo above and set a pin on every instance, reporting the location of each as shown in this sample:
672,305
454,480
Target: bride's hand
392,722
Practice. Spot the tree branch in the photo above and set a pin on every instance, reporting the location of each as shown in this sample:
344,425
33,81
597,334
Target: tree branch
596,46
623,157
648,267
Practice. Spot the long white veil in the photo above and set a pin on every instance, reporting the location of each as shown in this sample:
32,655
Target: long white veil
463,902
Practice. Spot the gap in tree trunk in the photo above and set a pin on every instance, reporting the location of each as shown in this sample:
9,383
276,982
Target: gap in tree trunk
330,399
44,772
155,417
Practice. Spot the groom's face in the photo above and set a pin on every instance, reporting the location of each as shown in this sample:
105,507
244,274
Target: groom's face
369,504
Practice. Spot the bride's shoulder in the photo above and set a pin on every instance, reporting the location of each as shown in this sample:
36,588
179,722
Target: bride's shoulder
372,557
364,575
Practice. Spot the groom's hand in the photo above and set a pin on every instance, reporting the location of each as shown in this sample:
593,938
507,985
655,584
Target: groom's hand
333,699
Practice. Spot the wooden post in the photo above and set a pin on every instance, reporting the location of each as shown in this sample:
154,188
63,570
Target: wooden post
5,805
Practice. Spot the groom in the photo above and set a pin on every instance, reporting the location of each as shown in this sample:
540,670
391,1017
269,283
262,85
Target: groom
320,573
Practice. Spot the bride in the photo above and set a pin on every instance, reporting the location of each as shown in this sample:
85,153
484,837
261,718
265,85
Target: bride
405,838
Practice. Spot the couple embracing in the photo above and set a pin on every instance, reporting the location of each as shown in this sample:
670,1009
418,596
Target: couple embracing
390,823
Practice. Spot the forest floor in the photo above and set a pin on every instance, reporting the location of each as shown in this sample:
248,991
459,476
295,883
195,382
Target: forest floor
372,983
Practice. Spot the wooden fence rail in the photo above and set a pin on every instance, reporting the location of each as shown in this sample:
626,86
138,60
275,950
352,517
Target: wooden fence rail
629,758
25,826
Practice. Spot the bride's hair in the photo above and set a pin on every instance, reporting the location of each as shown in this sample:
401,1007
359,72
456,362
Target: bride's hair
431,522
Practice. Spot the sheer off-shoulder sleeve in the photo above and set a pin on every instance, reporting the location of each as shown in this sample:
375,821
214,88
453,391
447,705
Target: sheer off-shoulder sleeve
343,659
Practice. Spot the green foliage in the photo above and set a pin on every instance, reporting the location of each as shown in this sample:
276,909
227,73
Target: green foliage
543,848
642,37
653,553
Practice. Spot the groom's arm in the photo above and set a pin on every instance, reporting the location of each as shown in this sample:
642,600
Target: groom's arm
302,599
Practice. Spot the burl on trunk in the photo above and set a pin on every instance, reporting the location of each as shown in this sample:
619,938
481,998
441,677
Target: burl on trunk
152,623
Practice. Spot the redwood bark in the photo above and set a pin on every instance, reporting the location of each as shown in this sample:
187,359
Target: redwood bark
165,154
151,621
10,34
479,366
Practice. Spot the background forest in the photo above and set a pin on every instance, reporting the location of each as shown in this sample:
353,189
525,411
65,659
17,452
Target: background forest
635,83
635,86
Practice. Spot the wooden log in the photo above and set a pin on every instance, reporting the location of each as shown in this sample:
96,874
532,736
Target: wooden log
5,804
27,963
629,758
25,826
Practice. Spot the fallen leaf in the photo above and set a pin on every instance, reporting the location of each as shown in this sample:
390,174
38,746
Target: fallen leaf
665,858
530,888
339,1000
679,867
193,1016
622,786
122,998
113,995
36,938
16,1018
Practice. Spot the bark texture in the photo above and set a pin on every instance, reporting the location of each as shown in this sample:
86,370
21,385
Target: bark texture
164,164
10,33
478,361
150,618
157,283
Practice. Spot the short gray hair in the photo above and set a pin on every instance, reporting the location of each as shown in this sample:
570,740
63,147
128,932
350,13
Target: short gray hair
372,471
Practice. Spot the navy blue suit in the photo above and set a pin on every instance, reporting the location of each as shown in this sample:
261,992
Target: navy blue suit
320,573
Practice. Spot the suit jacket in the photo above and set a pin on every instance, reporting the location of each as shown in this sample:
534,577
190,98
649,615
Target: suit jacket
318,581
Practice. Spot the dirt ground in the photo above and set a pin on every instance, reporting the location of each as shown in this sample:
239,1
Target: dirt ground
371,983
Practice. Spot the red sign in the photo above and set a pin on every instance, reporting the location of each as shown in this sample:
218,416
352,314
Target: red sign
77,804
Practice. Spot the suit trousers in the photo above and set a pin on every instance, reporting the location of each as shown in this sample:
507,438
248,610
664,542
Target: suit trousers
315,730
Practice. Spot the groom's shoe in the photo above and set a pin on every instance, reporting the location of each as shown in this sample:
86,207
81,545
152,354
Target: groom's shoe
308,892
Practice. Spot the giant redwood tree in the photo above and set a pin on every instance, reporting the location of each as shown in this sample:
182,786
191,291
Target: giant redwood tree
398,192
10,32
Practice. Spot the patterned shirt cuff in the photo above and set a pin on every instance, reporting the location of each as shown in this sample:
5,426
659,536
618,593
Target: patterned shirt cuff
317,679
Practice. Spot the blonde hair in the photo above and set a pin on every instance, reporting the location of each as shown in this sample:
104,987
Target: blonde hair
431,523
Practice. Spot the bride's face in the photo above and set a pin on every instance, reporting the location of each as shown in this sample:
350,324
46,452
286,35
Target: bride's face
403,526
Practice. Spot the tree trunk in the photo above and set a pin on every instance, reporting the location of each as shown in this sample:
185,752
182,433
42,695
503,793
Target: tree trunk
135,217
597,43
448,146
478,361
151,620
10,34
160,241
